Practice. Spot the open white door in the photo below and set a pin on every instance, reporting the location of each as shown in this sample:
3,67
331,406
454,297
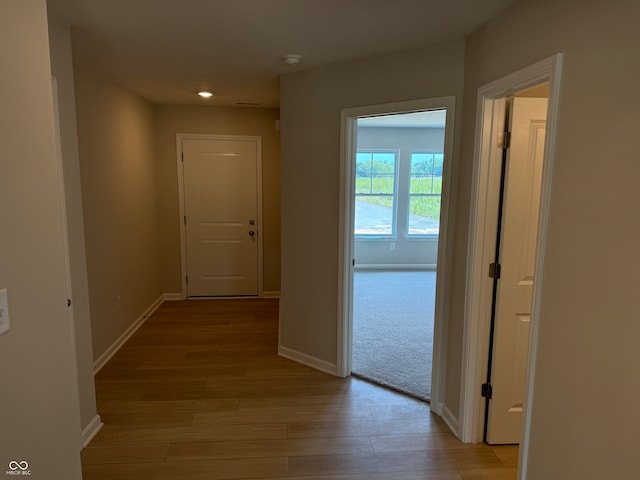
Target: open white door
517,261
221,216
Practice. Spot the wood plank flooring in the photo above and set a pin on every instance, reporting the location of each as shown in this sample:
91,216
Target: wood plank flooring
199,392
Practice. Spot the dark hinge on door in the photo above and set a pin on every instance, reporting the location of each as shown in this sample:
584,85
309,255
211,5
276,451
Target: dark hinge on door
504,140
182,156
487,390
494,270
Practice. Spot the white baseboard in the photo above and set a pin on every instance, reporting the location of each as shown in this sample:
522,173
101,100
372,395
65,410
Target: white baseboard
111,351
396,266
308,360
451,420
91,430
436,407
172,296
179,296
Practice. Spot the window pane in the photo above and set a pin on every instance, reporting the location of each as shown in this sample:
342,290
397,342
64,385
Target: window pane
375,190
438,162
363,173
374,215
383,169
425,188
424,215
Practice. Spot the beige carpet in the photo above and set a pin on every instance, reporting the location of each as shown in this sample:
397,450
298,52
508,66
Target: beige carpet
393,329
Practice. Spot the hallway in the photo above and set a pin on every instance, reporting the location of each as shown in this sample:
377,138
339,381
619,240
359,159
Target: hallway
199,392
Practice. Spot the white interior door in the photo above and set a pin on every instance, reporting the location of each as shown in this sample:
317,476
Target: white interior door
221,216
517,258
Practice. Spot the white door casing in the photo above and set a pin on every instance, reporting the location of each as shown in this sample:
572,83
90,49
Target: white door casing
477,297
346,245
517,260
221,178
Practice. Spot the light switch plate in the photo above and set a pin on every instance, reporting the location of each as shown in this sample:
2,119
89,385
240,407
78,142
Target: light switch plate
4,312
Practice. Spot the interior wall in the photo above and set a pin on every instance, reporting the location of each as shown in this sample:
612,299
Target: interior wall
39,408
408,251
311,102
118,173
173,119
588,328
62,69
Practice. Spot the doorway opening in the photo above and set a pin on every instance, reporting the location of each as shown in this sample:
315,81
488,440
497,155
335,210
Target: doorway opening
394,211
483,251
398,188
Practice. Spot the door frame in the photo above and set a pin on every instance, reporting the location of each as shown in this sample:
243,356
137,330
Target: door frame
181,189
348,147
482,238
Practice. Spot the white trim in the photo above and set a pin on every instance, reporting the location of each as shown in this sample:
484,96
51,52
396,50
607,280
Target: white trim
172,296
346,236
477,309
395,266
271,294
348,129
555,76
66,250
307,360
183,241
436,407
113,349
480,255
450,419
91,430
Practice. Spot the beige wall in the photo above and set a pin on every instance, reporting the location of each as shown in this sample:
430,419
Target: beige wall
170,120
39,408
585,413
118,171
311,102
62,69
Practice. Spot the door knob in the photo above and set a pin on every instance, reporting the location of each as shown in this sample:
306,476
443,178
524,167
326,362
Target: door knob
252,233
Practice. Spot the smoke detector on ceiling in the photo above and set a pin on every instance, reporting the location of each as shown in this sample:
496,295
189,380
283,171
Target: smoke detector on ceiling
291,59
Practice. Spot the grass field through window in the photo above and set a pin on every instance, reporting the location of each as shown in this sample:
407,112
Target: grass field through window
424,194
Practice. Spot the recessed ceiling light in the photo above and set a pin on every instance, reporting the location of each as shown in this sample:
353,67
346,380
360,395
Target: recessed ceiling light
205,94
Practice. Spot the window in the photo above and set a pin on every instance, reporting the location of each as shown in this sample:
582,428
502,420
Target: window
425,191
375,193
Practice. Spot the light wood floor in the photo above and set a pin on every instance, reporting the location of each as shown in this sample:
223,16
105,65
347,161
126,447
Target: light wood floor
199,392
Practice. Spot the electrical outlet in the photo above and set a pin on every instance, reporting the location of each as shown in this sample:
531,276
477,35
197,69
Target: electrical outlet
392,246
4,312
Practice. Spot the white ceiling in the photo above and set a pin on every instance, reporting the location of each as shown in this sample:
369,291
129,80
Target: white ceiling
167,50
427,119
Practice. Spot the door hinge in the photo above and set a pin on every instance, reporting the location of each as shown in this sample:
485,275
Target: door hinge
185,219
504,140
353,262
494,270
182,156
487,390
